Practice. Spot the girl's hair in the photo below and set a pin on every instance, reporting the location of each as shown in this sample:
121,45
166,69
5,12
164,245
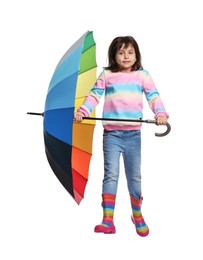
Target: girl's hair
115,46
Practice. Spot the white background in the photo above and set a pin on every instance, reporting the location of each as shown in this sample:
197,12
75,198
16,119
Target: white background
38,219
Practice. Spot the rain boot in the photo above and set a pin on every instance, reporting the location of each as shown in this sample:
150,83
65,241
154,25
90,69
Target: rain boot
107,225
137,219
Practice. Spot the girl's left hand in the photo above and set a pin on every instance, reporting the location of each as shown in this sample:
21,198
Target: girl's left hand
162,120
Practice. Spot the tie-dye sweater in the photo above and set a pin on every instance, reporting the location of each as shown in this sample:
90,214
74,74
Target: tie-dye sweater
123,98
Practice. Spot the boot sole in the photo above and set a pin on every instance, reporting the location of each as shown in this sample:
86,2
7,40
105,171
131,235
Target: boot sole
105,230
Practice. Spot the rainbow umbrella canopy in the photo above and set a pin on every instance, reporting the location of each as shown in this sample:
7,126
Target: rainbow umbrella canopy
68,145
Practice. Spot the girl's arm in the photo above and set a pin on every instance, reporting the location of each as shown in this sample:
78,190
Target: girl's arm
94,96
154,99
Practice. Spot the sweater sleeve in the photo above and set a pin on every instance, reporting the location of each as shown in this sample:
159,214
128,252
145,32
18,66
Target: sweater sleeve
94,96
153,96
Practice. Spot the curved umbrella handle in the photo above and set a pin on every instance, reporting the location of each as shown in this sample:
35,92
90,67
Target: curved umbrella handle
166,132
160,134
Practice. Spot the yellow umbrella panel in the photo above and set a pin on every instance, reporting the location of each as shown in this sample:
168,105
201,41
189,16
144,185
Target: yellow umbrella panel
82,133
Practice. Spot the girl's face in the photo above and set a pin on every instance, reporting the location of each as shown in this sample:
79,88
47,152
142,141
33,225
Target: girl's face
126,57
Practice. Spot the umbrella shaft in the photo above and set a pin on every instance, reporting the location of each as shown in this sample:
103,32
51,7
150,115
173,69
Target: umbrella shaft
119,119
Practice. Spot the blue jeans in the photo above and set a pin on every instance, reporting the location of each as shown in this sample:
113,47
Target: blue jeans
127,143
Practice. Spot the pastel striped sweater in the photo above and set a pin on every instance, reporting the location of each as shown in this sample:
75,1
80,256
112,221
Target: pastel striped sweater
123,98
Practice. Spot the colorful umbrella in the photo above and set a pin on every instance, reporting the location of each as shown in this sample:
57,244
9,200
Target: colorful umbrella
68,145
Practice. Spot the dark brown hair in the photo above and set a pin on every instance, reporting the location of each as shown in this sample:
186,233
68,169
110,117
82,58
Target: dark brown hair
115,46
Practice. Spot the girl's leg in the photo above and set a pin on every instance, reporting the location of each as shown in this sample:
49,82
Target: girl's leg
132,162
112,151
112,148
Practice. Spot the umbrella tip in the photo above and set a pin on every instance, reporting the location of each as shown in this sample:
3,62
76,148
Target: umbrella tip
36,114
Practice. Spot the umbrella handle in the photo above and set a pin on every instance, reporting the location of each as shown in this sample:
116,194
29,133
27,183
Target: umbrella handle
134,120
168,126
166,132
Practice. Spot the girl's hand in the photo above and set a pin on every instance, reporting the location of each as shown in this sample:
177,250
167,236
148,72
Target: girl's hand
78,117
162,120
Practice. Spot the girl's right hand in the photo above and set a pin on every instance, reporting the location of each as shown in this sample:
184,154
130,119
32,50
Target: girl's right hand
78,117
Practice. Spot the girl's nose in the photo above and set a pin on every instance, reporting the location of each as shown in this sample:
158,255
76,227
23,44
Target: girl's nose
126,55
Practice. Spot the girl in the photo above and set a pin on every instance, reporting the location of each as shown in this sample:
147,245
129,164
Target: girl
124,81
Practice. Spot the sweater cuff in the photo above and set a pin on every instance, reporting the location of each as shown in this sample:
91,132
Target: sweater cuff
161,114
82,110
